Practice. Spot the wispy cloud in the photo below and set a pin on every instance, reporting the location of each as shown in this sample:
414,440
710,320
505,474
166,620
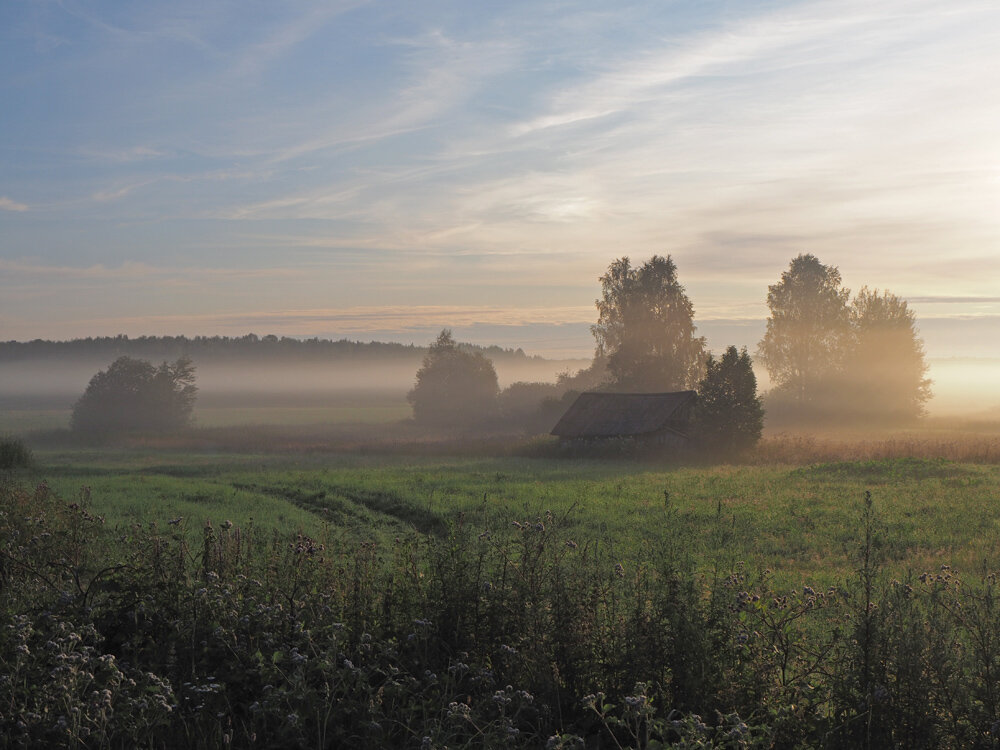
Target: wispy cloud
123,155
6,204
943,299
287,35
136,271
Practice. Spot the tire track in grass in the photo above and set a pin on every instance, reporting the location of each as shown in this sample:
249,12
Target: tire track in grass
338,504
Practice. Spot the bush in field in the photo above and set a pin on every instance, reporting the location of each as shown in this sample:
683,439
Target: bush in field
133,395
532,407
454,387
14,454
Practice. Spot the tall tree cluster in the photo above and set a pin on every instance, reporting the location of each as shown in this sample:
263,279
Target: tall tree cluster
833,357
808,329
645,328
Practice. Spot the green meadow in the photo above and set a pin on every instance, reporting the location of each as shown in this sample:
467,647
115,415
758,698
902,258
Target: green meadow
366,585
801,522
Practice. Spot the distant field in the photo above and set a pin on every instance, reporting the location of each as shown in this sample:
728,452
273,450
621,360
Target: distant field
301,415
19,421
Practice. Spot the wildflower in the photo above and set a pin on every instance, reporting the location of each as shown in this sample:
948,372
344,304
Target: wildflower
458,668
619,570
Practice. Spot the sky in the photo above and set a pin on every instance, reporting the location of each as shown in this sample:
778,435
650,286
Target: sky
378,171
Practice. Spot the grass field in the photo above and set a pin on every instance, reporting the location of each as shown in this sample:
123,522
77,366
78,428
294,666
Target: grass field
366,585
800,521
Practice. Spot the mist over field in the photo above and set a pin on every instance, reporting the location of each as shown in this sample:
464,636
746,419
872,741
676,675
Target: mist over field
56,383
962,386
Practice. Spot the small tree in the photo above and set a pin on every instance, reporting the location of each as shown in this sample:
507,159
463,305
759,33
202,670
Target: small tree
729,417
646,328
453,387
133,395
885,368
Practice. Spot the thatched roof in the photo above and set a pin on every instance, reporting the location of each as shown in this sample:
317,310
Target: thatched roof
597,415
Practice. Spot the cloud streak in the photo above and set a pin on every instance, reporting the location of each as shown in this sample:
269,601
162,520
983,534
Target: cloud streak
6,204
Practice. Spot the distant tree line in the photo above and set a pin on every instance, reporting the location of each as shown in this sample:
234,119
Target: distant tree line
242,348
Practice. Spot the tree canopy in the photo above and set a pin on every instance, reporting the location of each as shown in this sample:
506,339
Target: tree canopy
453,387
646,328
808,329
133,395
885,366
834,358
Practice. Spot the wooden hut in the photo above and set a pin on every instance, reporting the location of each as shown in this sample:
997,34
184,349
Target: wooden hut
654,417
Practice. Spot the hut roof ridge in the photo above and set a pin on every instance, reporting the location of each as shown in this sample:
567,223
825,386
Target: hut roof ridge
604,414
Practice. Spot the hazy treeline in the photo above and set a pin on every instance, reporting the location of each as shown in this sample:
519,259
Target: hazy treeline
249,347
249,370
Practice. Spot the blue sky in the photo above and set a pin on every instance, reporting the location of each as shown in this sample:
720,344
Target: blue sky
382,170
